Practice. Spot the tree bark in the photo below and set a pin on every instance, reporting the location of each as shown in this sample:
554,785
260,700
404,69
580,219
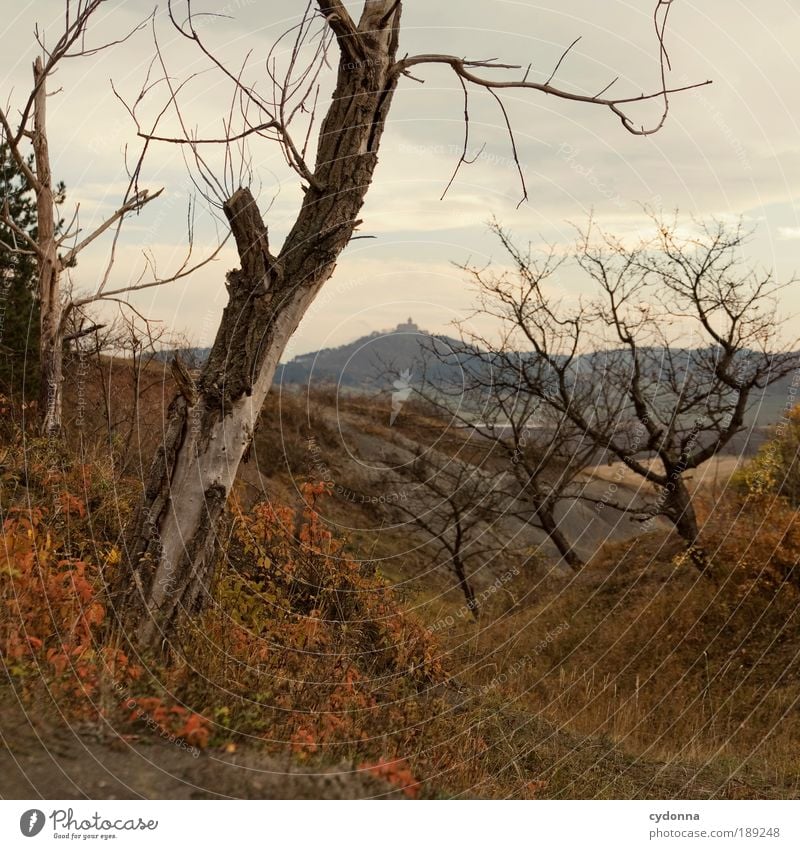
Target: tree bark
50,306
679,509
466,587
550,526
171,548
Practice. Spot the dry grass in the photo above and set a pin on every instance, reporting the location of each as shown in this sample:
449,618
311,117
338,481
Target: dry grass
637,678
666,664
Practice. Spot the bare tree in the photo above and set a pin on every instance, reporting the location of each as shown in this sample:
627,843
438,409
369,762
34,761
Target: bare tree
56,251
171,547
480,384
113,370
659,367
455,504
543,453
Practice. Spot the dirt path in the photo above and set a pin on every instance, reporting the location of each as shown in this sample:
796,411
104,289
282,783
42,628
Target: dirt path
42,757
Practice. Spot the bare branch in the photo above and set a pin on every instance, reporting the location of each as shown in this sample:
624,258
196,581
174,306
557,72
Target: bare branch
135,204
270,125
463,158
6,218
462,68
79,334
185,271
563,57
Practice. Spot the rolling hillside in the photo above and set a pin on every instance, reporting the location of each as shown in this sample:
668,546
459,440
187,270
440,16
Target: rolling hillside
371,363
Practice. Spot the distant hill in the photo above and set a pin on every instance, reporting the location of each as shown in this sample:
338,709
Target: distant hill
372,362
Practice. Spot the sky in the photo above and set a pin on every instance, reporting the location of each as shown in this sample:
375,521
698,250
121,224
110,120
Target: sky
727,150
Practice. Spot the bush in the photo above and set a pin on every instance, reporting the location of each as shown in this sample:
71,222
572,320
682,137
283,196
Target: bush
776,467
53,618
307,646
56,635
753,542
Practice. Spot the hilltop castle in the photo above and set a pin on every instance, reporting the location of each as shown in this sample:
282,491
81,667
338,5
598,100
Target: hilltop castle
407,327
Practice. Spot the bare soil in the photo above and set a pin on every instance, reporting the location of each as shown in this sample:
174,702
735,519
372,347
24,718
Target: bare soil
42,757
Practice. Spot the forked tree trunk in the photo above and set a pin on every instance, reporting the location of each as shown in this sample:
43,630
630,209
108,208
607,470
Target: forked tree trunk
171,547
50,306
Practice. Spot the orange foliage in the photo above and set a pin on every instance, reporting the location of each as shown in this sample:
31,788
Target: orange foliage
173,721
314,644
303,742
53,630
53,616
396,773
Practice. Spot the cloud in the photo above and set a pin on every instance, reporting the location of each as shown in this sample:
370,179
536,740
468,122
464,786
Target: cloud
728,149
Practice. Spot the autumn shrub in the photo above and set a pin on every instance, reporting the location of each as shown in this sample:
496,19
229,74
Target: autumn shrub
175,723
59,532
753,540
83,499
396,773
53,618
307,647
775,470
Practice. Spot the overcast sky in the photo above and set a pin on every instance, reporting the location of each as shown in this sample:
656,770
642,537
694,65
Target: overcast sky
729,149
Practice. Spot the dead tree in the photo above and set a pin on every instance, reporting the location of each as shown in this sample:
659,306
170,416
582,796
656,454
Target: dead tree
171,546
480,385
660,366
121,365
57,251
455,505
543,455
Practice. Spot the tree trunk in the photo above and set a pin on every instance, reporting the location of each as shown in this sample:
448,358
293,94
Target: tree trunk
466,587
678,508
51,355
550,526
50,306
172,544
